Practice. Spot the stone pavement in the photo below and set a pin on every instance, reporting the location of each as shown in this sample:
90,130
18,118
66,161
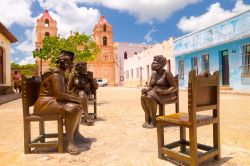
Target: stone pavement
118,138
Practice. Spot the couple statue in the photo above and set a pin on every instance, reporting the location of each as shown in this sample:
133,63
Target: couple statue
54,99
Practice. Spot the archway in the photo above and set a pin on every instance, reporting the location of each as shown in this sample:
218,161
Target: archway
1,65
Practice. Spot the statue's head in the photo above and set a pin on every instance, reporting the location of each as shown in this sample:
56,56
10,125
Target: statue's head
158,62
81,67
65,60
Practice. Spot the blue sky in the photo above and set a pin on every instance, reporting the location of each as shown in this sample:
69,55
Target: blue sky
136,21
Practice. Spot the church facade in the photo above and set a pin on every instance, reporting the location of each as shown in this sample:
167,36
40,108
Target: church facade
107,64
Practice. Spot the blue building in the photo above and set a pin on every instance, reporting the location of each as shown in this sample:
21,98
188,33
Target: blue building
224,46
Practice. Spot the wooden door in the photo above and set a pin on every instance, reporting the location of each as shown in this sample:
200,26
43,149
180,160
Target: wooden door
225,68
1,65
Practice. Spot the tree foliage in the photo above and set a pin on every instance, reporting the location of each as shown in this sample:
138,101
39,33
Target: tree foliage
27,70
82,45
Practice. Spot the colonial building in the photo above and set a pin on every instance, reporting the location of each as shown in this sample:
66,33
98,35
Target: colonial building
6,38
105,64
45,26
137,68
224,46
123,51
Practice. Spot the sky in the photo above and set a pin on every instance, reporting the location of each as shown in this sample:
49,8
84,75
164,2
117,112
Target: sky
133,21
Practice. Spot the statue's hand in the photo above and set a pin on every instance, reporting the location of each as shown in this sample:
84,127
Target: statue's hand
144,91
158,91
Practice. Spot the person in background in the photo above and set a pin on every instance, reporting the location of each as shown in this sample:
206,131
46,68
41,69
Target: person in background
17,81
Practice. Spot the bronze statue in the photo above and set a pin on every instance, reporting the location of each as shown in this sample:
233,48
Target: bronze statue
161,88
82,84
53,99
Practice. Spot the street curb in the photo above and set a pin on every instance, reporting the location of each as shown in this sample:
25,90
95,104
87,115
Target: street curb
7,98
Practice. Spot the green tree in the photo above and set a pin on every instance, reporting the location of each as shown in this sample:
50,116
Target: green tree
82,45
27,70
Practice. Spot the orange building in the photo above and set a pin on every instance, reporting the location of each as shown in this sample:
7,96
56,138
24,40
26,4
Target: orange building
103,66
46,26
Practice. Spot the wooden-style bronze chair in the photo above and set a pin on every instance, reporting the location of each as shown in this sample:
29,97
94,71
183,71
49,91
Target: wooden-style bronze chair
175,101
94,102
30,93
203,95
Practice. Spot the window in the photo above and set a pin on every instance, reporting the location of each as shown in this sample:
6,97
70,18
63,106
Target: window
125,55
127,74
137,72
46,22
205,63
245,72
181,69
47,34
147,72
104,28
104,40
194,64
132,74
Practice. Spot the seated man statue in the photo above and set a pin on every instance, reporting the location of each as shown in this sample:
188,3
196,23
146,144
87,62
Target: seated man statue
53,99
83,84
161,89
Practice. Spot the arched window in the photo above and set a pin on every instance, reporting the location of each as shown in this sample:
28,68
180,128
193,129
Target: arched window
47,34
105,40
46,22
104,27
125,55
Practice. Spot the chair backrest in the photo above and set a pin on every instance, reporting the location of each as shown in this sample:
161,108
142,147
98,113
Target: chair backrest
176,79
30,92
203,91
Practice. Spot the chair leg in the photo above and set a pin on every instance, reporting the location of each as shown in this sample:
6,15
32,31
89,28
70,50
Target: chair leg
41,130
216,140
95,112
193,146
161,109
183,138
60,134
177,107
27,137
160,137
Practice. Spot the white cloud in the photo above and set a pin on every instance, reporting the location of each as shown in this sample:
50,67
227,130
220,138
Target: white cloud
148,37
71,17
213,15
27,60
144,10
16,11
27,46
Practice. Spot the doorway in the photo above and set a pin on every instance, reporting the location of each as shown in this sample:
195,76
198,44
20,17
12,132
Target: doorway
1,65
225,68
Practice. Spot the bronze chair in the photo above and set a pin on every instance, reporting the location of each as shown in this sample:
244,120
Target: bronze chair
94,102
203,95
175,101
30,93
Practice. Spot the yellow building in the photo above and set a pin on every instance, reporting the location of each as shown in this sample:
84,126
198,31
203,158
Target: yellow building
6,38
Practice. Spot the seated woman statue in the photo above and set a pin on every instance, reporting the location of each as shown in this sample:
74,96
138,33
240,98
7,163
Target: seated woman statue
53,99
83,84
161,89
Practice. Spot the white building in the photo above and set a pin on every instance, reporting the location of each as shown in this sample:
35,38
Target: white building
137,68
123,51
